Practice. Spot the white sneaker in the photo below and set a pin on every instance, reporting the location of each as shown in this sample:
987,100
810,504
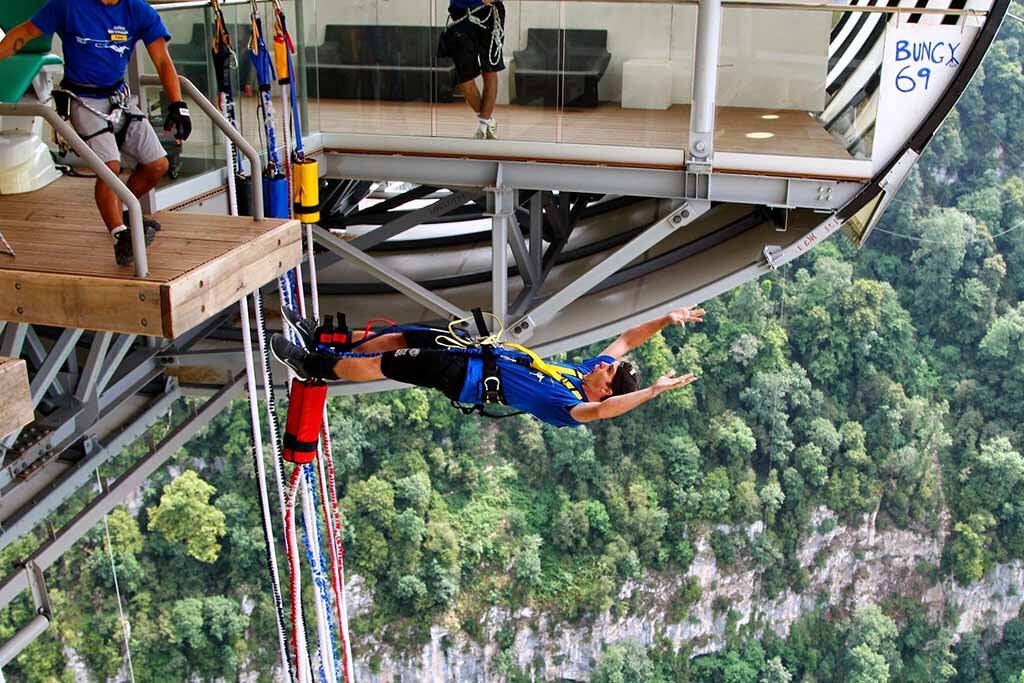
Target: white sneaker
491,132
481,132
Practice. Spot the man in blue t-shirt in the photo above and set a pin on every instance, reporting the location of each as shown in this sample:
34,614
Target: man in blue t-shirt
475,41
596,389
98,37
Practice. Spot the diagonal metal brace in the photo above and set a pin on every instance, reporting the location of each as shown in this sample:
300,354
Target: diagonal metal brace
388,276
677,219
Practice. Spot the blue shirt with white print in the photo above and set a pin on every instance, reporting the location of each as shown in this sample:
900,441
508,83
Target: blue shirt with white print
529,390
98,39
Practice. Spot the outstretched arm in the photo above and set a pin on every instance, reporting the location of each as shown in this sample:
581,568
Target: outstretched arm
17,38
165,68
618,405
632,338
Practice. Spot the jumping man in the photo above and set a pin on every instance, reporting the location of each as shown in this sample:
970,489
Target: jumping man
596,389
98,37
474,39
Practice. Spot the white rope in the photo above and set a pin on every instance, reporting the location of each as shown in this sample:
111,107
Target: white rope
975,240
328,495
122,617
257,439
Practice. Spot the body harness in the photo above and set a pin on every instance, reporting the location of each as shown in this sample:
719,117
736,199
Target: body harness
119,97
497,33
338,339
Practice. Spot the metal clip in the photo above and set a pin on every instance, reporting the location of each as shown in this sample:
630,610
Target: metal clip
769,252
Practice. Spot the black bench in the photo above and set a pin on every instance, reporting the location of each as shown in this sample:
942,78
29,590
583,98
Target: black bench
397,63
579,56
191,58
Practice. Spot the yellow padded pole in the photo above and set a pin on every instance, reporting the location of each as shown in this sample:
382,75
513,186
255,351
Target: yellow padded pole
307,190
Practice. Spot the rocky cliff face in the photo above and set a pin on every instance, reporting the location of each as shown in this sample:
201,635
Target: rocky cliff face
848,565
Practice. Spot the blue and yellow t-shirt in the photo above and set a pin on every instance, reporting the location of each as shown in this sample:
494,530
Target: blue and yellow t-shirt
98,39
529,390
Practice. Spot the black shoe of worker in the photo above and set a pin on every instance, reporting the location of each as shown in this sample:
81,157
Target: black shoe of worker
292,355
147,222
304,327
123,253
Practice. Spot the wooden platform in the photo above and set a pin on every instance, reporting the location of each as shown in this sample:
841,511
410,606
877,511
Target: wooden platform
64,272
15,399
791,133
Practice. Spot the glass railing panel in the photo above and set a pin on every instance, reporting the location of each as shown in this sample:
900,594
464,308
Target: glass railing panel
797,83
625,73
191,36
370,66
528,89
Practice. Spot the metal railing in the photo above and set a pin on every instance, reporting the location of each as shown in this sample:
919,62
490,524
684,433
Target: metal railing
190,91
111,179
68,133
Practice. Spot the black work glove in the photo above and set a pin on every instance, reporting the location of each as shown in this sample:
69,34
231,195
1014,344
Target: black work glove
179,119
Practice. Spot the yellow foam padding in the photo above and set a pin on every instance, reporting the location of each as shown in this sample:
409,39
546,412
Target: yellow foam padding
307,191
555,372
281,58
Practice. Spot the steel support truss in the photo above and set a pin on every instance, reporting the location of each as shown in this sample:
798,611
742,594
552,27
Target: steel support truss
62,540
94,394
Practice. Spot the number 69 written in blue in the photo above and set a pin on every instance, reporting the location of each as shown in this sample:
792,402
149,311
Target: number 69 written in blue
907,83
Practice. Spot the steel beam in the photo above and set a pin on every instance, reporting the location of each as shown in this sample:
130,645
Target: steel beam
55,359
37,352
90,375
35,511
14,340
419,192
55,547
23,638
677,219
705,83
414,218
825,195
504,206
117,352
388,276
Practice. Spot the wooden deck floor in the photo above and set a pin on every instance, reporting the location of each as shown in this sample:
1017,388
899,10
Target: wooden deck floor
792,133
64,272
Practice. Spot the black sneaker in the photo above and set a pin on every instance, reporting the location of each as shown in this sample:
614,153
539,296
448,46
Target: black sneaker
147,222
123,253
292,355
304,327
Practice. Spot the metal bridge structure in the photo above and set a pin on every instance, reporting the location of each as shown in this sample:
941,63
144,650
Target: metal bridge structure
577,223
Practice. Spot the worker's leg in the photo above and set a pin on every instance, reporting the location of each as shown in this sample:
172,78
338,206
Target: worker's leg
107,202
145,176
472,95
490,95
143,147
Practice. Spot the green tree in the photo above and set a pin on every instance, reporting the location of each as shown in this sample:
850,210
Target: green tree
625,662
186,516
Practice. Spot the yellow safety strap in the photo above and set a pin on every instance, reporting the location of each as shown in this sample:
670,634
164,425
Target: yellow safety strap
556,372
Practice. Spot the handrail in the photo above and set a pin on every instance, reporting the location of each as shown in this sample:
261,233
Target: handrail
256,165
68,133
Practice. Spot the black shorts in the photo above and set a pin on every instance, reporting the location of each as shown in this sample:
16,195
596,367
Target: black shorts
430,368
472,47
